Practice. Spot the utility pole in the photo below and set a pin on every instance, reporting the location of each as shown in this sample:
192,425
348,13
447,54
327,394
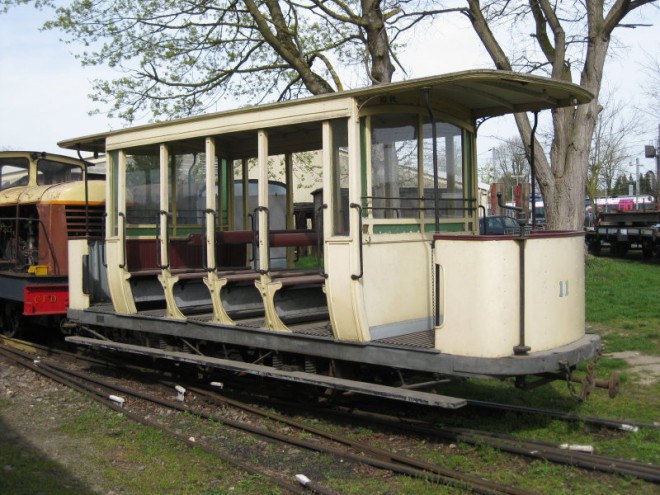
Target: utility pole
637,184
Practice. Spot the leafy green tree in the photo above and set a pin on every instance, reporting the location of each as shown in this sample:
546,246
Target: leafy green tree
179,57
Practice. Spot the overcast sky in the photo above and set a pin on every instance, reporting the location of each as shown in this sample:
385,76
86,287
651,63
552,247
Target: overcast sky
43,89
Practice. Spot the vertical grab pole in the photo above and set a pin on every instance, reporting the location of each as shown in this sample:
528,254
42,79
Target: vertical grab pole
122,216
436,202
163,218
436,208
359,210
262,220
532,165
521,349
211,213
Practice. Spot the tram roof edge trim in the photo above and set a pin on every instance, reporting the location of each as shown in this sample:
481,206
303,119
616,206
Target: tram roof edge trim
485,92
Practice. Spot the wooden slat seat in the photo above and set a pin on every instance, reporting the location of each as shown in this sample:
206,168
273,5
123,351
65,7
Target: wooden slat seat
235,237
313,279
292,238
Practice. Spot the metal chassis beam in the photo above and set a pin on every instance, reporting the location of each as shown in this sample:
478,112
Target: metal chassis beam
423,360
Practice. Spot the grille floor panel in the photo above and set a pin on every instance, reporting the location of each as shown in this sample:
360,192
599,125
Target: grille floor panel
423,340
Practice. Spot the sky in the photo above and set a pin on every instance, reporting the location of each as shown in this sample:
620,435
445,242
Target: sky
44,90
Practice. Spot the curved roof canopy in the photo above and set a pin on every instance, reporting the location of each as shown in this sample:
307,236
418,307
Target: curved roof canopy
483,93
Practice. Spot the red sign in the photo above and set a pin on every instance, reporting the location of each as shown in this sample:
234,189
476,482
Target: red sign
45,299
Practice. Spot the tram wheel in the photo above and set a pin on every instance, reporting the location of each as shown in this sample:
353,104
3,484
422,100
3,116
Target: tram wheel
12,321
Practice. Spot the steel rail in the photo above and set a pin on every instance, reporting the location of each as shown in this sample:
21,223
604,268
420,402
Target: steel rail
528,448
376,451
594,420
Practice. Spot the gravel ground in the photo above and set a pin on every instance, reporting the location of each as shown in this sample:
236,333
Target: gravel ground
32,409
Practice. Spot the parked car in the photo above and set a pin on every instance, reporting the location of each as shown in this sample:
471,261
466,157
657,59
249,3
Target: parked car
500,225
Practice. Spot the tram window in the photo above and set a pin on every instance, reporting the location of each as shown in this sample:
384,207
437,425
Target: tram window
187,201
238,206
339,129
13,172
393,164
143,183
50,172
449,153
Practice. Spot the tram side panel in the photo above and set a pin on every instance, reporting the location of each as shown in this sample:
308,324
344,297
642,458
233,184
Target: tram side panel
397,270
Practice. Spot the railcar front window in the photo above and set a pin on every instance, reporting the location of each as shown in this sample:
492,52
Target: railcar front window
50,172
13,172
394,170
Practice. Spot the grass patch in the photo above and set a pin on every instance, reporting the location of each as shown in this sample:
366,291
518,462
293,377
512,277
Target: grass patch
144,460
622,304
25,471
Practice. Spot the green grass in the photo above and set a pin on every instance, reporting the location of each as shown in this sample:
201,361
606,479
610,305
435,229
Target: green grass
26,471
144,460
623,304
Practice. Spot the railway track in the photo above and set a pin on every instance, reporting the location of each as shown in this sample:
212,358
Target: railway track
110,394
360,452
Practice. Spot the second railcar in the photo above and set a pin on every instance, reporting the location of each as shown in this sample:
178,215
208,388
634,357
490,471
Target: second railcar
45,200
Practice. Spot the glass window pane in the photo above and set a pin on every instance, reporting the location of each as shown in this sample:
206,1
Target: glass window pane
188,197
339,129
449,155
143,188
13,172
51,172
394,170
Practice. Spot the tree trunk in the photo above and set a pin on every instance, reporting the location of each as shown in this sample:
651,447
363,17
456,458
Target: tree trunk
378,44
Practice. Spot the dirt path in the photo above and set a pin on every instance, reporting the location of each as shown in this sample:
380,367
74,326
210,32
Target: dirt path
647,367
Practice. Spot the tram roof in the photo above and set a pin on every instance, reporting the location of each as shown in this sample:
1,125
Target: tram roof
484,93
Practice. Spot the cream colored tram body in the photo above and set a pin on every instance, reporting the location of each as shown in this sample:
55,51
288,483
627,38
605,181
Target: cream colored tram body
331,235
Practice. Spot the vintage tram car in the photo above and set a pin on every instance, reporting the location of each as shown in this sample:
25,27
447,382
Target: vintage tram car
45,200
398,285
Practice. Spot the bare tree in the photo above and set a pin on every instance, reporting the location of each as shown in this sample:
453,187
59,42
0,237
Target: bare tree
652,86
608,154
566,38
